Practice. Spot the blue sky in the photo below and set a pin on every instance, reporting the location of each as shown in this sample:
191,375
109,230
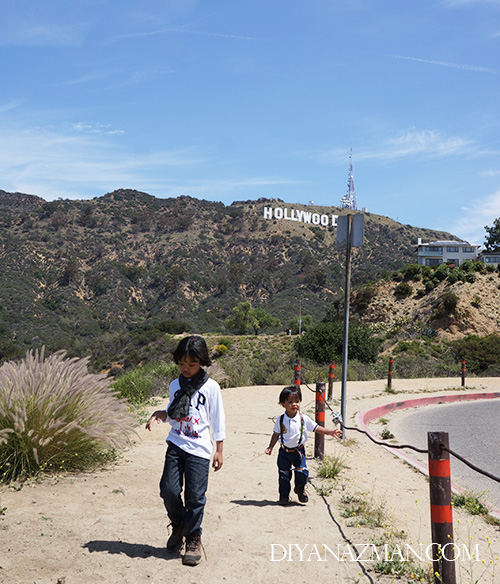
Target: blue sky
230,100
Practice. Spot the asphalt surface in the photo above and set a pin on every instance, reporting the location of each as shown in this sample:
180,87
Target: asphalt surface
474,434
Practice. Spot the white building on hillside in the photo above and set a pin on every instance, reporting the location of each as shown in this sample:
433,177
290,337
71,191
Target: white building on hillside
453,252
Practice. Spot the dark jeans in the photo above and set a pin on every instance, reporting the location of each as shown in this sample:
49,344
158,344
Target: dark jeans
286,460
191,472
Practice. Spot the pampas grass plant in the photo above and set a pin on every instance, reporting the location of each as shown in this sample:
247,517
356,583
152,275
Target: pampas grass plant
55,415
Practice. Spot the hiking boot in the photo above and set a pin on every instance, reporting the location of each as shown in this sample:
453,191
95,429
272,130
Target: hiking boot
192,555
301,493
174,542
284,500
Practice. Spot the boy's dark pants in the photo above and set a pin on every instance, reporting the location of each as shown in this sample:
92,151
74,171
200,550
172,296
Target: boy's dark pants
286,460
179,465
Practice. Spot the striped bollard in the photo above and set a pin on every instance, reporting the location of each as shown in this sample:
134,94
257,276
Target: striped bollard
443,548
297,373
319,439
389,377
330,380
463,372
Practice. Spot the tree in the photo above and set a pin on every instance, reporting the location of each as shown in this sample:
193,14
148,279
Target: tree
293,324
323,344
492,241
245,318
264,321
241,319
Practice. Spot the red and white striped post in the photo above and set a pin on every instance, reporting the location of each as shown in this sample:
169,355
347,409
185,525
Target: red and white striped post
319,439
297,373
330,380
443,548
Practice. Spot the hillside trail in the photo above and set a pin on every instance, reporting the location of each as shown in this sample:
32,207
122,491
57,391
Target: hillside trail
110,526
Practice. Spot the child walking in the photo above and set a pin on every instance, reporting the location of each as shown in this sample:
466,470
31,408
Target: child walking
291,430
195,406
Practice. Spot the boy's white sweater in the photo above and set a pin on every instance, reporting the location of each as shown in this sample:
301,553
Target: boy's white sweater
206,410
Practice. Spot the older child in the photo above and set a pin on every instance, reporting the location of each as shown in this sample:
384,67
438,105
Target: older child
291,429
195,405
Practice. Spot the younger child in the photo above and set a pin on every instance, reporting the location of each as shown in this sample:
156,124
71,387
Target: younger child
195,406
291,429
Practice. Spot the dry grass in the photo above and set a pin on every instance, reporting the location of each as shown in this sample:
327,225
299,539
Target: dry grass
55,415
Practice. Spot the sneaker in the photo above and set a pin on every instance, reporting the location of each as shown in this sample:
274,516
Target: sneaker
174,542
192,555
301,493
284,500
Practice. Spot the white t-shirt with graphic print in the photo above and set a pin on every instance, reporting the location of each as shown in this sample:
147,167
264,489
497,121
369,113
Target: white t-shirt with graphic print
206,410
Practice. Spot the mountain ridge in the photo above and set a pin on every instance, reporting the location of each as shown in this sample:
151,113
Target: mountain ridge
88,275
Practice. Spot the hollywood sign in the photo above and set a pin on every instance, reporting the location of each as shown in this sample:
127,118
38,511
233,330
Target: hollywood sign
299,215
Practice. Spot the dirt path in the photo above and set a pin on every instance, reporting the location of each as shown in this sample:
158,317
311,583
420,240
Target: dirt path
110,526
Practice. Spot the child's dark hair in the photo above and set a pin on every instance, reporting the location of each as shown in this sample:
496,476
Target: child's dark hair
193,347
289,390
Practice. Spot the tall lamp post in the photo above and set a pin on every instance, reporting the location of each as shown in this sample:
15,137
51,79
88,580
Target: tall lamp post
300,314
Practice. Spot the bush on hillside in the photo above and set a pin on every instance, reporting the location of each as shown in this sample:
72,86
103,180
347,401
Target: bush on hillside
481,354
139,384
323,343
449,301
56,415
403,289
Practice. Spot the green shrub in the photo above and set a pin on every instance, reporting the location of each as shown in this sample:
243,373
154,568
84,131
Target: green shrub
413,272
470,502
441,272
330,467
138,385
449,301
220,350
323,343
481,354
403,289
56,415
363,297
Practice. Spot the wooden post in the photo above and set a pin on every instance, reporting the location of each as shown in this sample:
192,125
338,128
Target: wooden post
443,548
463,372
330,380
319,439
389,377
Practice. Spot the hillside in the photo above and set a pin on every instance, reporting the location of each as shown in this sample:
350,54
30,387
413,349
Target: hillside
398,316
109,276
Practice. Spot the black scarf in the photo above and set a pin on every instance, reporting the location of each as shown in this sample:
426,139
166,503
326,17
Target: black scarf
179,408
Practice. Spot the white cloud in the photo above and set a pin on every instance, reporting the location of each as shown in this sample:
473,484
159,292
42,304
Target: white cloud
10,105
470,226
419,143
461,66
85,162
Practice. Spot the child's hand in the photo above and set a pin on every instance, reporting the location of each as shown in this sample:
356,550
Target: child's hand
336,433
159,416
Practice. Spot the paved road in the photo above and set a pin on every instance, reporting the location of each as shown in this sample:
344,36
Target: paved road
474,433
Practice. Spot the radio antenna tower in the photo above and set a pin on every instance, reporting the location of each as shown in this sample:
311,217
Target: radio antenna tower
349,200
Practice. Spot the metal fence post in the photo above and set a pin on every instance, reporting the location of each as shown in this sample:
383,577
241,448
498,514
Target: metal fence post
443,548
319,439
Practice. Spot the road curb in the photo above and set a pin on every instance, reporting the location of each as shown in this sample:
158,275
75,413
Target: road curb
362,419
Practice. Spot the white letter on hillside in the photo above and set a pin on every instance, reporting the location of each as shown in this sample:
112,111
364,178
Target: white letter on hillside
268,212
